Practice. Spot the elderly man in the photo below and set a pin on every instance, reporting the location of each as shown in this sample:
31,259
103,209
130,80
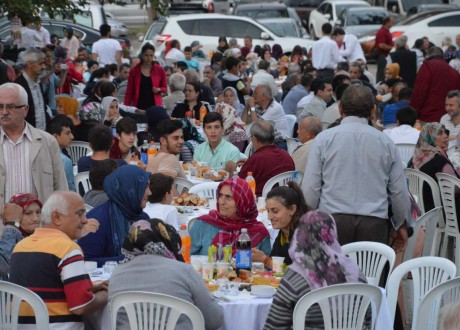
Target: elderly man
51,264
451,120
34,64
262,106
263,76
323,95
407,60
210,79
308,128
354,171
262,138
29,158
176,86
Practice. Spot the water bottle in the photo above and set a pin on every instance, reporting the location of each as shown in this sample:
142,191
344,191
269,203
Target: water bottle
151,152
144,149
243,252
186,242
251,182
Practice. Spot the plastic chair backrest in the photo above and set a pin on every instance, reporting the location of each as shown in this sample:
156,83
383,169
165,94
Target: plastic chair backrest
11,296
406,151
416,180
343,306
82,179
292,144
282,179
182,185
206,190
371,258
427,272
450,150
88,208
429,307
291,120
447,186
77,150
147,310
429,220
248,151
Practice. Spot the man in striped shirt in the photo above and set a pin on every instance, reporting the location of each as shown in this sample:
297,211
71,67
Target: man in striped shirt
51,264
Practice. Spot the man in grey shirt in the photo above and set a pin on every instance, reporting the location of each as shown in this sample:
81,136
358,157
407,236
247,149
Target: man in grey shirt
354,172
323,95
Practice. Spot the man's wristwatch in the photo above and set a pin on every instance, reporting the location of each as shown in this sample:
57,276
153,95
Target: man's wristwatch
253,109
12,223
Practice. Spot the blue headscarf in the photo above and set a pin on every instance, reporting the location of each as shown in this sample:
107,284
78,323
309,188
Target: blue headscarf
125,188
154,115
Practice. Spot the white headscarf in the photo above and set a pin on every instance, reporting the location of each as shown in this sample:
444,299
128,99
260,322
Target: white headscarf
106,102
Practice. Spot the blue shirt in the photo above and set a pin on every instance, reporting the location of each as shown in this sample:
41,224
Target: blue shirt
192,63
355,169
217,159
389,112
68,170
292,98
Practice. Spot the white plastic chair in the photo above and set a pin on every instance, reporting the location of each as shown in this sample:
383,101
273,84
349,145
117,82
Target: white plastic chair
206,190
416,181
292,144
78,149
371,257
82,179
429,308
291,120
427,272
154,311
450,150
88,208
428,221
406,151
343,306
248,151
11,296
447,186
183,185
282,179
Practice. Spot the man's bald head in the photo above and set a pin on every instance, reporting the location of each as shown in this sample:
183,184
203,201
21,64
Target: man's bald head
309,127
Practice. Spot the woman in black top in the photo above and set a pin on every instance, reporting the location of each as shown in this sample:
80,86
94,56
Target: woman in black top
285,206
191,103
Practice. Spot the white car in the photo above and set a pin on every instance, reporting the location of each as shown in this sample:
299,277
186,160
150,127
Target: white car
435,28
207,28
282,26
329,12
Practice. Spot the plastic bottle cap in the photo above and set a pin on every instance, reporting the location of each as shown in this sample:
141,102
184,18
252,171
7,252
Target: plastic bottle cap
244,230
249,173
183,226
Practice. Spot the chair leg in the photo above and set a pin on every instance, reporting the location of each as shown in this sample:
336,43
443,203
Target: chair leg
444,246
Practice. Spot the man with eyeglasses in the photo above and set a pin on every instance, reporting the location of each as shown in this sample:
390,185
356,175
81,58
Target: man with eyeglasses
30,159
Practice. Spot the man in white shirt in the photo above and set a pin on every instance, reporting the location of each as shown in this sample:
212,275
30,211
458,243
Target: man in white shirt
106,49
350,47
451,120
262,76
404,132
42,34
326,54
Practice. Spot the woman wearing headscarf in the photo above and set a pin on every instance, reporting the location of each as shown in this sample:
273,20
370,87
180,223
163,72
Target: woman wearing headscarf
392,71
236,209
152,251
455,156
430,157
128,190
67,105
234,128
317,262
112,112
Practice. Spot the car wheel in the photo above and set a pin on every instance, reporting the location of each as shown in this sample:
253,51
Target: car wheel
312,33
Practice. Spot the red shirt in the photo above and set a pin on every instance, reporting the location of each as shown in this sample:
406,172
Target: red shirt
383,36
265,163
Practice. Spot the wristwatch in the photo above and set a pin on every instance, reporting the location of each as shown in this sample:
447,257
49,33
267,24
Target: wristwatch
253,109
12,223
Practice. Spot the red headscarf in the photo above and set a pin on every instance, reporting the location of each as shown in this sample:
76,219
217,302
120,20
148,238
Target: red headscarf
247,216
24,200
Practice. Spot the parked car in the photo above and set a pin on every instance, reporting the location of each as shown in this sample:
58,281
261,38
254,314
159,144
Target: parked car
118,28
295,16
261,10
92,15
303,9
362,20
282,27
431,7
207,28
328,12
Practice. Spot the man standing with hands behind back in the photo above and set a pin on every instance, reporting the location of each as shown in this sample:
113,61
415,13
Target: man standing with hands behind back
383,44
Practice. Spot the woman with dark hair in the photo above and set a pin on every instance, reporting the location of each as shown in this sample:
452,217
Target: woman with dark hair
223,45
296,54
190,105
97,75
147,77
258,50
268,57
285,206
277,51
152,250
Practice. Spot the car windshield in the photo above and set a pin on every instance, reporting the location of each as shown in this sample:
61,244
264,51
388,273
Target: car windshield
408,4
282,29
365,17
258,13
340,8
156,29
303,3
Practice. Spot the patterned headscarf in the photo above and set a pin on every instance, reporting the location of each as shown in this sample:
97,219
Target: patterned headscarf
92,111
426,149
316,253
125,188
234,130
24,200
247,216
152,237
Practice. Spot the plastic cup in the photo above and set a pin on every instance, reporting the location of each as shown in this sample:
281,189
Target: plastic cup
212,204
222,269
207,271
258,267
277,264
109,266
197,266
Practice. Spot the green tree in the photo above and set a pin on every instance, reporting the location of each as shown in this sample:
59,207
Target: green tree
155,8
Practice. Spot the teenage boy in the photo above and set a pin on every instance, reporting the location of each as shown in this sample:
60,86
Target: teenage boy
123,146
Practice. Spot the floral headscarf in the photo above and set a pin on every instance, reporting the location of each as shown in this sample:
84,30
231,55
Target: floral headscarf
426,149
234,130
316,253
125,188
24,200
247,216
92,111
153,237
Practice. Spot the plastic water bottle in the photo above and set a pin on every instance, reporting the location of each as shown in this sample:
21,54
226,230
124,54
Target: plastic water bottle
243,251
186,242
151,152
252,182
144,149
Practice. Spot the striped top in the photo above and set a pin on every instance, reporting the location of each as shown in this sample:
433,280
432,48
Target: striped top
293,287
51,264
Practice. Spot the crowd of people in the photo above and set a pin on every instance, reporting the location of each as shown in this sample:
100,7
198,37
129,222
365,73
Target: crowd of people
348,123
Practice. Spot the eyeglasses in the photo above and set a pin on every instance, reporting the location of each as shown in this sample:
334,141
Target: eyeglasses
10,107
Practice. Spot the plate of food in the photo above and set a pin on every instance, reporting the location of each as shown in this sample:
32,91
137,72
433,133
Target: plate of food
187,199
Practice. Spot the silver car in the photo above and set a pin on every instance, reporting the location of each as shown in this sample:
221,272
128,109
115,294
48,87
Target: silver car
118,29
